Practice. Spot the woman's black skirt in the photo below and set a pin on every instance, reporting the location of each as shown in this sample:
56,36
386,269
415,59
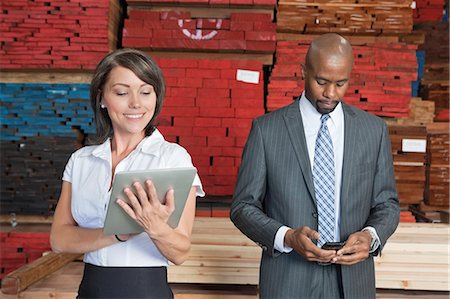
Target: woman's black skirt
124,282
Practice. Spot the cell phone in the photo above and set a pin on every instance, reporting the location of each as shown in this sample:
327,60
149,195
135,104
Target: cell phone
333,245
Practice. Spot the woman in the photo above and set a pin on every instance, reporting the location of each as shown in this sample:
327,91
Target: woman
127,93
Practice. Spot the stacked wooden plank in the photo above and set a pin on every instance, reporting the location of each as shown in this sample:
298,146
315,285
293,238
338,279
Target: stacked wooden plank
380,82
428,10
20,248
347,16
416,257
177,30
435,85
420,113
208,109
57,34
409,154
31,173
218,3
220,254
438,172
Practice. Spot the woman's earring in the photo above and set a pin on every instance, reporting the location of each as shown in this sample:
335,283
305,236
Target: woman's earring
102,106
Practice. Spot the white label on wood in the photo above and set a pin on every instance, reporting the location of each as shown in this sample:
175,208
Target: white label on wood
247,76
414,145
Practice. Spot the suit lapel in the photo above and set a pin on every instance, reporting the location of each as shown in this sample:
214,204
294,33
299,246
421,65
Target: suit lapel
350,140
294,125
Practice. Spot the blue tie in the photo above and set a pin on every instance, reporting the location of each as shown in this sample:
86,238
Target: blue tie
323,175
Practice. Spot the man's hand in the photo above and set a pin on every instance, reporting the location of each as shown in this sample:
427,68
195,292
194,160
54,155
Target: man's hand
300,240
356,249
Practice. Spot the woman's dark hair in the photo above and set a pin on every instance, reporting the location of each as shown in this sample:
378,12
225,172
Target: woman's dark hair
144,68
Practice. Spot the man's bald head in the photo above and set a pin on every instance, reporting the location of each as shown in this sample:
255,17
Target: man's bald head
330,45
327,71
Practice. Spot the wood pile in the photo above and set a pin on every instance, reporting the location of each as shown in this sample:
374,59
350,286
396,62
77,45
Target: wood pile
409,154
416,257
438,173
20,248
178,30
57,34
31,173
380,82
209,110
435,85
420,113
428,10
222,255
366,17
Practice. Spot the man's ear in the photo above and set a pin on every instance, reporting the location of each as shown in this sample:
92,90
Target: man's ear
303,69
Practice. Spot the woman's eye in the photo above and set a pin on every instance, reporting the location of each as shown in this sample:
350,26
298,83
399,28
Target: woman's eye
121,93
146,93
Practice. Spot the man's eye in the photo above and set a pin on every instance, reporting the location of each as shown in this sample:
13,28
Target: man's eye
320,82
340,84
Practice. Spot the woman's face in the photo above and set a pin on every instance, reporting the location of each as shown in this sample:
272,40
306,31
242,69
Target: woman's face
130,101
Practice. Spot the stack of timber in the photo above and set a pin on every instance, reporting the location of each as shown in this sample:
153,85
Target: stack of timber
435,83
380,82
209,109
20,248
42,124
367,17
428,10
177,30
57,34
244,26
416,257
409,155
420,113
220,254
438,172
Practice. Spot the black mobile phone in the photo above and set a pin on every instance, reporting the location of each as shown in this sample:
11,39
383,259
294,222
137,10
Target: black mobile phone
333,245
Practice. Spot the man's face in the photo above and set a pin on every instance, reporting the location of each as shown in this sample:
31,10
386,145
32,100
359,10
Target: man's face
326,81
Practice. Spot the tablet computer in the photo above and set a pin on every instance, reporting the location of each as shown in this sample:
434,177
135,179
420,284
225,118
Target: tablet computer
179,179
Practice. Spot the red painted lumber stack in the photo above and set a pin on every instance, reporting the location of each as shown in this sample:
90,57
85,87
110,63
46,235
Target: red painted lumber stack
216,3
428,10
209,112
55,34
380,81
20,248
178,30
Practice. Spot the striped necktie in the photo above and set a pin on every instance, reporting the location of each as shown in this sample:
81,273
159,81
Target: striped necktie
323,175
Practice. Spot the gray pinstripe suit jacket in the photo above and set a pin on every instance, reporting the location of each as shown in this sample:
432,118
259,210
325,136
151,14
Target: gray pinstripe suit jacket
275,188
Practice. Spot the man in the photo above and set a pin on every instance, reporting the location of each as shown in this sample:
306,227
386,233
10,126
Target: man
315,171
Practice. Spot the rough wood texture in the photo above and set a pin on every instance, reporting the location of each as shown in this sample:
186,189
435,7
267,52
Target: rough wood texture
23,277
416,257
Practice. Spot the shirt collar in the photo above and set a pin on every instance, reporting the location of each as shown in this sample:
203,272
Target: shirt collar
150,145
336,116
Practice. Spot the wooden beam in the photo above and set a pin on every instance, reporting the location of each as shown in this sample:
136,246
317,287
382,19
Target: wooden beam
52,77
28,274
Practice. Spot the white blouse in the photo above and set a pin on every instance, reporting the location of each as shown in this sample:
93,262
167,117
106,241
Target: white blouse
89,170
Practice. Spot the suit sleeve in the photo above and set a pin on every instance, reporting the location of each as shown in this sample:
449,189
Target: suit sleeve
385,211
247,209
